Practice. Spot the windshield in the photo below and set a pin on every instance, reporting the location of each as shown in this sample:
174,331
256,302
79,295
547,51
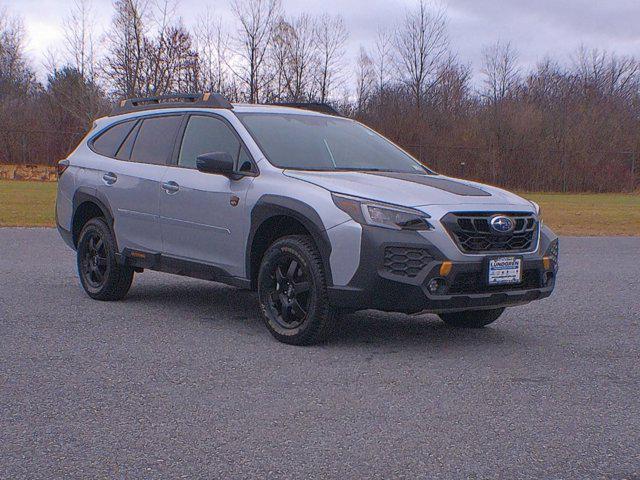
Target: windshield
310,142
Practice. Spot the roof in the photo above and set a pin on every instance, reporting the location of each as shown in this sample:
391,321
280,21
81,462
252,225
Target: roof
260,108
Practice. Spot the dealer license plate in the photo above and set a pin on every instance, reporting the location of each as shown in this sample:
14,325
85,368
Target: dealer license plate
505,270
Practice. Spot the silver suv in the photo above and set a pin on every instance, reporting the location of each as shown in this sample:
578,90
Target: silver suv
318,213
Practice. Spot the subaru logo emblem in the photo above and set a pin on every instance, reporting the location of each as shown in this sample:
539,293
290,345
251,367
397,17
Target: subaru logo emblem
502,224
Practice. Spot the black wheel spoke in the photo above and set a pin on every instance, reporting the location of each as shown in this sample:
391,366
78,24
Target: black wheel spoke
289,292
273,297
293,266
297,309
98,275
94,263
301,287
286,313
279,275
284,300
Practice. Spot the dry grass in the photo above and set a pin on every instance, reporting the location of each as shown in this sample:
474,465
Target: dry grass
27,204
590,214
31,204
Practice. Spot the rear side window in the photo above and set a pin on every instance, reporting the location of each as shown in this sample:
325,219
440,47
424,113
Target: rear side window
109,141
207,135
154,142
124,152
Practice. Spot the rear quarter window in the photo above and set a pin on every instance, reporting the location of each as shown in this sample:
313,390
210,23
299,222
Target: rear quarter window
109,141
154,142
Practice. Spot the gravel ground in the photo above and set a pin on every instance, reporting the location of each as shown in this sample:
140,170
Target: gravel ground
182,380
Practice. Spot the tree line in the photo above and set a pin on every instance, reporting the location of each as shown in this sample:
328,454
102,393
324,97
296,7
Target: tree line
571,126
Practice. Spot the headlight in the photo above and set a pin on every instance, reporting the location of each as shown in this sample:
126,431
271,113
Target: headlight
367,212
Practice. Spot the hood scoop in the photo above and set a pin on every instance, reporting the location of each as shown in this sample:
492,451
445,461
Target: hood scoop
451,186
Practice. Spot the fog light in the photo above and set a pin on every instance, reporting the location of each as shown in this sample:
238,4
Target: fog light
435,285
548,277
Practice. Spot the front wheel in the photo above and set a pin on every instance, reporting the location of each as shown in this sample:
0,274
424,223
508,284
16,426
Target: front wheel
292,290
471,318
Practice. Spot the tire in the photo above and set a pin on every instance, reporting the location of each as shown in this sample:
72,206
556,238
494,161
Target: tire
100,274
292,291
471,318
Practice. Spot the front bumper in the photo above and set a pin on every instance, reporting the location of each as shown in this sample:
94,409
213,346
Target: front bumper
382,283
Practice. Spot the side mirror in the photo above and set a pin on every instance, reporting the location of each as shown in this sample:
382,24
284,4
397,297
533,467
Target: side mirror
216,162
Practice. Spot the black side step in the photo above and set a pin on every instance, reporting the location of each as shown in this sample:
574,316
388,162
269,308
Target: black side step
156,261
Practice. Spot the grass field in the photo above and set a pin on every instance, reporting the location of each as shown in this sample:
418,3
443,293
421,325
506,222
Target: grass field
590,214
27,204
31,204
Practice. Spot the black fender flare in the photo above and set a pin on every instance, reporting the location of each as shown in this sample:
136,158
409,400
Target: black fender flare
90,195
269,206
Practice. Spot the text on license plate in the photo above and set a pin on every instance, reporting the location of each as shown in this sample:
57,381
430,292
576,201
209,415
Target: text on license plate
505,270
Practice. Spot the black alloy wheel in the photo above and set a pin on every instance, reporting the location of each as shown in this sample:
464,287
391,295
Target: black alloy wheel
102,277
288,292
293,293
93,264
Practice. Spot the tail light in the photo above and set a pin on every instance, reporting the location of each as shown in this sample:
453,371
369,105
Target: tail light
62,166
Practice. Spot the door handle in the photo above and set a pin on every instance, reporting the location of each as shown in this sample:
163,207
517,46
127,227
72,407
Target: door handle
170,187
109,178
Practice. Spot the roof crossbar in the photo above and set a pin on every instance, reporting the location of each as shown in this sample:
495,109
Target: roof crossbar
201,100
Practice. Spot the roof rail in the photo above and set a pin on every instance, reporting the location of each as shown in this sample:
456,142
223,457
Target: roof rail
313,106
173,100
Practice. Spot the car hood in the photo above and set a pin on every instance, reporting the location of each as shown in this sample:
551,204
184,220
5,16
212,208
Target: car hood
409,189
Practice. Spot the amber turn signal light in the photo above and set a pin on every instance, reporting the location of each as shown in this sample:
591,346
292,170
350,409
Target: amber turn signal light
445,268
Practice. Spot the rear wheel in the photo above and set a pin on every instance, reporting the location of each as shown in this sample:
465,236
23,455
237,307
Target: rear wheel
471,318
293,292
100,274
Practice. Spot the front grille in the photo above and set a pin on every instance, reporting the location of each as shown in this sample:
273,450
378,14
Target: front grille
473,282
472,232
405,261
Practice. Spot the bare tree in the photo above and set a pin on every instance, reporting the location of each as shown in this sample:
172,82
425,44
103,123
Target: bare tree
212,44
124,65
256,18
79,40
365,79
278,62
331,36
14,69
500,70
453,90
608,74
172,62
294,56
421,43
383,57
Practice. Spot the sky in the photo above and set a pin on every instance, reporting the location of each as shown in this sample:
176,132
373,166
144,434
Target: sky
536,28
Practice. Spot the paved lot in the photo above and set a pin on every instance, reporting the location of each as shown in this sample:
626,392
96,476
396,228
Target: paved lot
181,379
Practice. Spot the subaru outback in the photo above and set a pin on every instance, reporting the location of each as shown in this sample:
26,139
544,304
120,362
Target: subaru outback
318,213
